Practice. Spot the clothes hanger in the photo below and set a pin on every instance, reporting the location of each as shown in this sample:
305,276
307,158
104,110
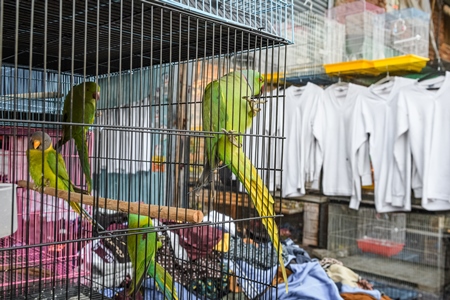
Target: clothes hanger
341,85
383,80
439,72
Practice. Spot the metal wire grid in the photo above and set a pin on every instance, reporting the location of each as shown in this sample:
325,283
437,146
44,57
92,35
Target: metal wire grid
407,32
269,16
318,41
152,62
364,25
419,239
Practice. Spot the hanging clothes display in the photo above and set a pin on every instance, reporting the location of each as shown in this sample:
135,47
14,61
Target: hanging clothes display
374,123
331,128
423,119
298,151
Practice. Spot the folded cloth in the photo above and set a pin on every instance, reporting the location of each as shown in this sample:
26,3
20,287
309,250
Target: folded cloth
343,274
307,281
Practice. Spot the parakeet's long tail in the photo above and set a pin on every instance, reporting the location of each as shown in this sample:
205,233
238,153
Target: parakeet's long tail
81,211
164,282
244,170
83,154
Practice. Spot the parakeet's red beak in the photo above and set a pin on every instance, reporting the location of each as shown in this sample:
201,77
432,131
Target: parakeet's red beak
36,144
96,96
262,89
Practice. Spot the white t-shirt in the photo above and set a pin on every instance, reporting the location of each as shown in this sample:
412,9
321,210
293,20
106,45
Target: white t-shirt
300,109
374,128
424,119
331,129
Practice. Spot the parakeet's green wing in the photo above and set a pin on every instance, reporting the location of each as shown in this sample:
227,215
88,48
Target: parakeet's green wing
214,106
63,176
59,167
142,251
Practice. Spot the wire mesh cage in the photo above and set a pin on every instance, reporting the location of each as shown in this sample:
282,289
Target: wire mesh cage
269,16
119,88
38,254
364,29
318,40
406,253
407,32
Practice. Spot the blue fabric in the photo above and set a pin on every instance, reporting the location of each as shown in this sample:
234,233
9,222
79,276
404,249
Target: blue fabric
151,293
308,282
301,256
349,289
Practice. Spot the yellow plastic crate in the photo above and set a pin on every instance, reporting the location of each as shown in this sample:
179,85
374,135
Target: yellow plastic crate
362,66
409,63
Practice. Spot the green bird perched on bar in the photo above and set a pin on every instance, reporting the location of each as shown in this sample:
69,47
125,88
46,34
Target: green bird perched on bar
80,107
228,110
47,168
142,246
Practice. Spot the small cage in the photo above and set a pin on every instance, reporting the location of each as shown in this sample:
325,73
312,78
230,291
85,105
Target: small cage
364,26
407,32
334,41
317,41
403,251
38,255
269,16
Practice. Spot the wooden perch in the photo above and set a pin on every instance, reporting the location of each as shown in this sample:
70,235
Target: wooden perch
156,211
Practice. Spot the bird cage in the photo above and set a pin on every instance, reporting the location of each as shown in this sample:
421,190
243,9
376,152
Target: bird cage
405,253
407,32
269,16
150,64
305,56
38,249
364,29
334,41
318,40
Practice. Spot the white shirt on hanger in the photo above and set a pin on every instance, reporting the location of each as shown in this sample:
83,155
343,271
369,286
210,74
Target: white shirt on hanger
331,129
423,119
300,108
374,128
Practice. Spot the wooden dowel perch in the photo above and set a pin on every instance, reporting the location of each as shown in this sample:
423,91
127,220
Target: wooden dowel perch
156,211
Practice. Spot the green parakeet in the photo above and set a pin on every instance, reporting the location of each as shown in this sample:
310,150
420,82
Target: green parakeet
47,168
80,108
142,246
227,110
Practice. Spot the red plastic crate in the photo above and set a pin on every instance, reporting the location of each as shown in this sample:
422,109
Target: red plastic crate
380,247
